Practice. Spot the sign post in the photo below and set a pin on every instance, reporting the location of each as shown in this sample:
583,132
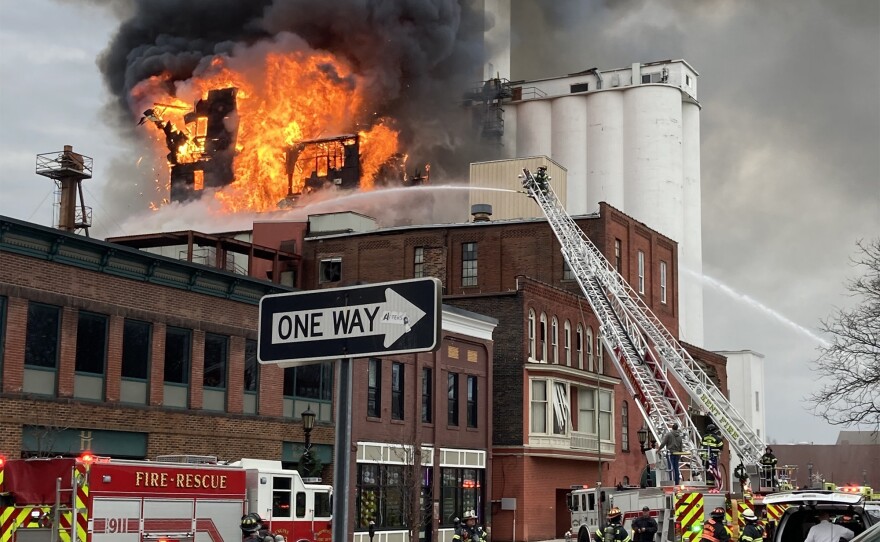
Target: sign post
302,328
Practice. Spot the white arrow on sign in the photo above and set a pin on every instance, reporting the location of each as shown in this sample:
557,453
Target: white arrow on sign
394,317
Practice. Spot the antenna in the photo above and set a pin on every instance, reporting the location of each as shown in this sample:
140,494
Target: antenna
68,169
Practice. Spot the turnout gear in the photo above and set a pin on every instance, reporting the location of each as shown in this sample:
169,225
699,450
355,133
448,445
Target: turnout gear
752,532
768,468
714,529
469,531
614,532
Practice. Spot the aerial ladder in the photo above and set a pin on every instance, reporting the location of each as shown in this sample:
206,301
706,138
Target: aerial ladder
644,352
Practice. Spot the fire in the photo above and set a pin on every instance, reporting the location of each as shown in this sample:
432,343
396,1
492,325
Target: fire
283,99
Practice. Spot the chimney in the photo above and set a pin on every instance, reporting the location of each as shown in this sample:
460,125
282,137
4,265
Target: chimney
481,212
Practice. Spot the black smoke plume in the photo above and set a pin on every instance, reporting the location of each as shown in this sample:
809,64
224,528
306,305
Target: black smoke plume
419,56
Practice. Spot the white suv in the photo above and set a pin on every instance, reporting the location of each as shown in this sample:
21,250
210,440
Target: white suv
846,509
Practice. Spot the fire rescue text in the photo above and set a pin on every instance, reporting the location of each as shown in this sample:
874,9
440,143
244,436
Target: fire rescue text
178,480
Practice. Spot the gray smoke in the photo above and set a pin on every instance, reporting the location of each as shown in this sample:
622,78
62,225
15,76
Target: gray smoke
418,57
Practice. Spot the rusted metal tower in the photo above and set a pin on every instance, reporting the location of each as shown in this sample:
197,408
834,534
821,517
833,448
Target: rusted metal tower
68,169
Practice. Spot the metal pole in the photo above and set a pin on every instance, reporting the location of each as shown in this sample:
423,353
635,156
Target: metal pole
342,452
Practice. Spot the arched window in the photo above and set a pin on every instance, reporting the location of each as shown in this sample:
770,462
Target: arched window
532,333
579,346
601,355
590,366
554,340
624,427
567,343
543,337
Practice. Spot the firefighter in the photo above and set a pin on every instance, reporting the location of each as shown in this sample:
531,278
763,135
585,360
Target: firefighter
644,527
714,529
469,531
252,529
614,531
768,468
752,532
712,445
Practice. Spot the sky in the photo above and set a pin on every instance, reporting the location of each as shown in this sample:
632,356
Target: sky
790,129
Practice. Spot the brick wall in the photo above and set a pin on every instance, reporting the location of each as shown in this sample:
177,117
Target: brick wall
24,279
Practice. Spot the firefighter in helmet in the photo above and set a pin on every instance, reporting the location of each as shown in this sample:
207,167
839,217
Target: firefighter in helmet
710,449
714,529
768,468
614,531
252,529
752,532
469,530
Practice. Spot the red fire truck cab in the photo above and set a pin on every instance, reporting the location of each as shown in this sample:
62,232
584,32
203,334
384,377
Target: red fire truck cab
177,499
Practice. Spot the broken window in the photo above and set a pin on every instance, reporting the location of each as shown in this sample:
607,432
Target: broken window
330,270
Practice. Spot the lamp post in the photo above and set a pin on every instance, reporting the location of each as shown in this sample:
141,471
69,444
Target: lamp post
810,471
307,463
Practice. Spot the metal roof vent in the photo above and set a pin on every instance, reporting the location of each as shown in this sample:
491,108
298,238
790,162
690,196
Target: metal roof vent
481,212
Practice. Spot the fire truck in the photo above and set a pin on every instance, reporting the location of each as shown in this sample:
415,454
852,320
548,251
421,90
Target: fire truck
647,358
679,511
173,499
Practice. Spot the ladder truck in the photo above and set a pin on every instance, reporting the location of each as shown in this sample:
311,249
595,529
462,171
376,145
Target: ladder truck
644,352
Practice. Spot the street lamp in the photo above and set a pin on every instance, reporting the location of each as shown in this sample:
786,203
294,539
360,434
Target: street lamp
308,419
810,470
643,437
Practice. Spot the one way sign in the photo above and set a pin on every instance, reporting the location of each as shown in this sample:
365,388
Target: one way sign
399,317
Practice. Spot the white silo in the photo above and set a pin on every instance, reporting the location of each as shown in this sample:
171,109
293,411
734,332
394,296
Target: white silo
630,137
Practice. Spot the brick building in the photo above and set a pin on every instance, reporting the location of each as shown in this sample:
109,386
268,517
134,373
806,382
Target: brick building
131,354
564,413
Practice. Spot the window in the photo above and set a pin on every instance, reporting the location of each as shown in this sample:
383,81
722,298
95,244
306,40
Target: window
605,419
590,365
427,395
91,343
460,489
560,408
309,381
757,402
554,340
452,399
600,355
579,346
43,330
136,343
374,388
587,411
281,493
543,337
539,406
617,259
323,505
624,427
567,343
330,270
177,355
397,383
380,496
555,404
687,79
662,282
419,262
216,359
251,367
300,504
593,420
532,334
641,272
469,264
471,401
580,87
567,273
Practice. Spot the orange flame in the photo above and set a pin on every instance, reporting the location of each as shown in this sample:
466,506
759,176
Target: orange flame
291,97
